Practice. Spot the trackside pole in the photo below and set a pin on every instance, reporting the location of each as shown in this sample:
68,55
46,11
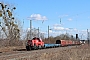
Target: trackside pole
76,39
88,37
30,28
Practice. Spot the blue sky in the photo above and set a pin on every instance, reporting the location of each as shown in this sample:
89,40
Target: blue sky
74,14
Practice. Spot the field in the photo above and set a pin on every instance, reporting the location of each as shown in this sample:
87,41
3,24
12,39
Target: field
60,53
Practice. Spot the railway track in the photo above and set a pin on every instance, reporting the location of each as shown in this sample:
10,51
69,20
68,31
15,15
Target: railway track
23,53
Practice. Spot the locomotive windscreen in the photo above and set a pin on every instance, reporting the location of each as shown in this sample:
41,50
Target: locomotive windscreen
58,41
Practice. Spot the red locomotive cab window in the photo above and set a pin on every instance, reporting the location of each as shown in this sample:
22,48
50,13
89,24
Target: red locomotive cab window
38,39
29,41
34,38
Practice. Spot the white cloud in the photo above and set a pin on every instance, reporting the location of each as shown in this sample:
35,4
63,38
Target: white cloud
58,28
57,25
70,19
37,17
50,31
65,15
75,29
43,32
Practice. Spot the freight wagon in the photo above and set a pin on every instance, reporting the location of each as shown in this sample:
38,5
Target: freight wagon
67,42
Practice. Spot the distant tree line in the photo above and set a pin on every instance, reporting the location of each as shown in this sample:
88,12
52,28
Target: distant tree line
52,39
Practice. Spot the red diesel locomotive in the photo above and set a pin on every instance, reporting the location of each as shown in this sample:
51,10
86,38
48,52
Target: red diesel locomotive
37,43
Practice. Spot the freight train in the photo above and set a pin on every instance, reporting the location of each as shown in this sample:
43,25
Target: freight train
68,42
37,43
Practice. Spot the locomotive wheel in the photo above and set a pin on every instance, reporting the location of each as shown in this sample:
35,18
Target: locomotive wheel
28,48
43,47
35,47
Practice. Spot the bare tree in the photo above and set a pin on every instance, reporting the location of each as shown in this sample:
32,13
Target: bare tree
8,25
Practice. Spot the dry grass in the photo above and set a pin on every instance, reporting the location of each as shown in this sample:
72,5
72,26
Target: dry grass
12,48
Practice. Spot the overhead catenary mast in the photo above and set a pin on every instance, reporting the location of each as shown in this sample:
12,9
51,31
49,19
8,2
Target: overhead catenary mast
30,28
60,20
88,36
38,32
48,33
